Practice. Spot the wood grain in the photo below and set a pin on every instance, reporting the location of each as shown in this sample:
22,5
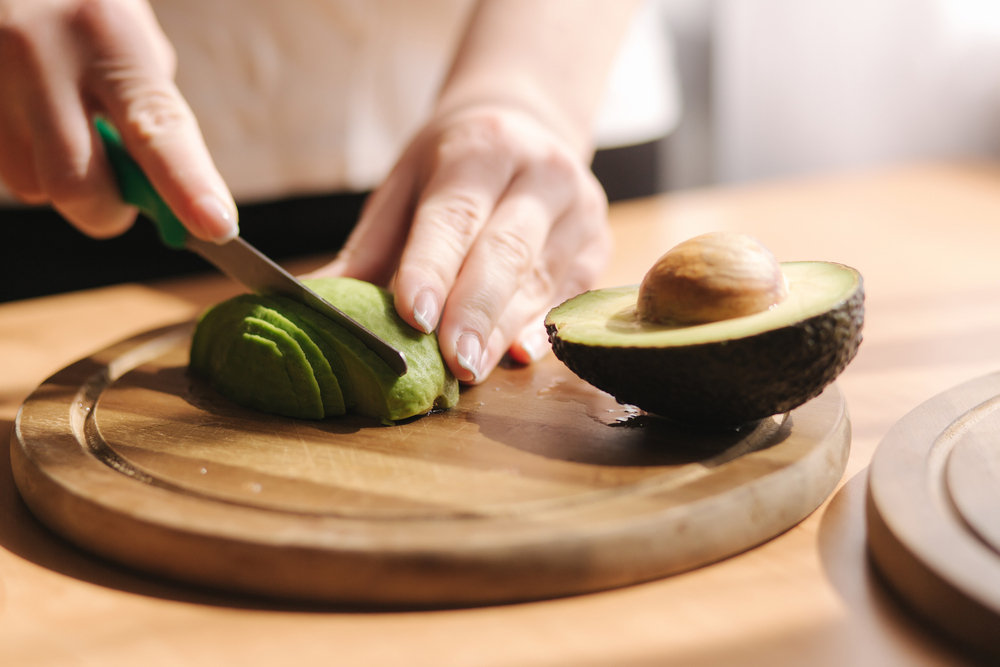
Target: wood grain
537,485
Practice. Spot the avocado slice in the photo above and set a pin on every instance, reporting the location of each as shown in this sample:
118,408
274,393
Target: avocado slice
722,373
256,353
308,360
306,319
280,356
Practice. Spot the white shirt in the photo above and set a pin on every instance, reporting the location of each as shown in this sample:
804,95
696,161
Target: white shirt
318,96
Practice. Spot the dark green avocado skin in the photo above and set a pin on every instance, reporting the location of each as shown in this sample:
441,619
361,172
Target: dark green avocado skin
726,383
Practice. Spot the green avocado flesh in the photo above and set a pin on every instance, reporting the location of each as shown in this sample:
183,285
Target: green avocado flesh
722,373
279,356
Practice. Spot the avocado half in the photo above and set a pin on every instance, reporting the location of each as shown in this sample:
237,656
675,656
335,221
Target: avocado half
722,373
277,355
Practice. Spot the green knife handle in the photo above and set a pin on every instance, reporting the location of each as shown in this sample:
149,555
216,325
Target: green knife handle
136,189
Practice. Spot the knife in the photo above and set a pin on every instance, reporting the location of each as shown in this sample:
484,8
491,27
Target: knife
237,259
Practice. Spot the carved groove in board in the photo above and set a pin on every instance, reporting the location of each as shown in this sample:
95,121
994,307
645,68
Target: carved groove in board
973,480
940,454
920,539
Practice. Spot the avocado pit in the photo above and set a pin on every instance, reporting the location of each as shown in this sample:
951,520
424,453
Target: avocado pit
712,277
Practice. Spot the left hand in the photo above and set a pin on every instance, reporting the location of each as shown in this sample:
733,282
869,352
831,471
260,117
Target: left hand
488,220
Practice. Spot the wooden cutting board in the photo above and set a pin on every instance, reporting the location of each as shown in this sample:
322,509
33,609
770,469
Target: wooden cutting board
934,511
537,485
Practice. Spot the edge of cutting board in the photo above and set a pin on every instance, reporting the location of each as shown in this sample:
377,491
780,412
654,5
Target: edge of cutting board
917,538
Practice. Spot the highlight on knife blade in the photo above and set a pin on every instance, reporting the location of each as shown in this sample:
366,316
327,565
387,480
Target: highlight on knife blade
246,265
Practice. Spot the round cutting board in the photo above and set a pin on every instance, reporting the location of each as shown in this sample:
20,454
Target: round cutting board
536,485
934,511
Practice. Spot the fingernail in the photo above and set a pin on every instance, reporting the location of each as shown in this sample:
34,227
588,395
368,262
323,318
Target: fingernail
536,344
425,310
217,218
470,353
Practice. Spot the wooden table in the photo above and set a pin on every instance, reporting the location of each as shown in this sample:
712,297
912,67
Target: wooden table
926,238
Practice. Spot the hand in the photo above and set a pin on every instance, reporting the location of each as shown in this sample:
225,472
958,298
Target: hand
62,62
487,221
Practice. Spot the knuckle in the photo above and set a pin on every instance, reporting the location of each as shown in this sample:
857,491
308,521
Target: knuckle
487,129
541,284
592,202
481,312
512,249
136,79
561,166
484,137
561,176
459,218
153,111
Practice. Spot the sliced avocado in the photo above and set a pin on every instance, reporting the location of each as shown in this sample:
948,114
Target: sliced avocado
427,384
316,328
260,365
369,378
722,373
226,316
345,373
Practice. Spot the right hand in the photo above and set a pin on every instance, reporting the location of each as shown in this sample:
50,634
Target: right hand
62,62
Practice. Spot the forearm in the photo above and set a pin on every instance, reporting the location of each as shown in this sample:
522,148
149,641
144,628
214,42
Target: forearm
549,58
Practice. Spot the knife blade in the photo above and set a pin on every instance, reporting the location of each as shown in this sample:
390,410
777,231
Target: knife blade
237,259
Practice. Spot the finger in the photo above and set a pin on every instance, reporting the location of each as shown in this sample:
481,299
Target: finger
583,236
17,168
17,163
132,84
374,247
474,167
47,146
532,343
503,261
580,243
520,331
66,157
524,316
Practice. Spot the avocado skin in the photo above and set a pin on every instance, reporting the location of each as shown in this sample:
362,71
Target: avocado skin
725,383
